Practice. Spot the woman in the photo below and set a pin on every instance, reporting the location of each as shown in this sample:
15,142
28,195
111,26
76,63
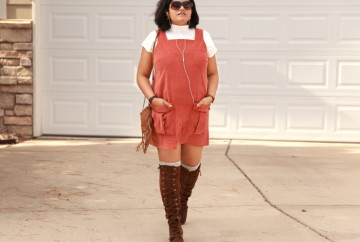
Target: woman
184,86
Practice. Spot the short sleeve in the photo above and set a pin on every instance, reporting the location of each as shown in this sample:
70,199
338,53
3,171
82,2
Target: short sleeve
148,43
211,48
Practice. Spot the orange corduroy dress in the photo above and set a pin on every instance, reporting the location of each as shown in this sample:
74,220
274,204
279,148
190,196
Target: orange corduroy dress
183,123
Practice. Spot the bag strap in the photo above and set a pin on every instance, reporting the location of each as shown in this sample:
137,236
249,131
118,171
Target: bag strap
153,69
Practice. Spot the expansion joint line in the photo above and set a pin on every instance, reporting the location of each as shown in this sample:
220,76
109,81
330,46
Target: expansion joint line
266,199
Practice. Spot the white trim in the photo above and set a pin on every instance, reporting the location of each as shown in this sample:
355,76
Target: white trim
2,9
37,77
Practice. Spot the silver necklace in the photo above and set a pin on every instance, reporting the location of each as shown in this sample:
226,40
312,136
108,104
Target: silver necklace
183,60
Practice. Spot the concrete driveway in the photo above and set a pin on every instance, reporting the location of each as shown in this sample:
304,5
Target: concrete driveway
93,189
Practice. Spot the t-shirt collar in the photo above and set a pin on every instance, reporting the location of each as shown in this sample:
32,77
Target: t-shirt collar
179,28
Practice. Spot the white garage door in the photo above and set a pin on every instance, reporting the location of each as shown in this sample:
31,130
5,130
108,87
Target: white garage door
289,69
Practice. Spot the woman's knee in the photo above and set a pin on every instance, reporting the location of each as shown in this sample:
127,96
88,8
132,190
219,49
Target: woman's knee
167,155
191,155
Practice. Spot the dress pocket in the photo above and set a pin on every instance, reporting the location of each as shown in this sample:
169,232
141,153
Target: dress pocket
164,119
202,119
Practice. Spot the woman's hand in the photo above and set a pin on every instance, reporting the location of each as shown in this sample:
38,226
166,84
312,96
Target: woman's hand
160,102
205,101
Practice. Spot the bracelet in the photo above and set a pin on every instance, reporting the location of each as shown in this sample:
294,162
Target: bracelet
150,99
213,98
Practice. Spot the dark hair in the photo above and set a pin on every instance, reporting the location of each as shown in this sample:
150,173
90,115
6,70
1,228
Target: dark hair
162,21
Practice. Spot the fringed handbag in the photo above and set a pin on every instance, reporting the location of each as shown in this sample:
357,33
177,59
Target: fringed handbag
146,129
146,119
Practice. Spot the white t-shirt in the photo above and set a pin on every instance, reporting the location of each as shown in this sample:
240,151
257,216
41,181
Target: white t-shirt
181,32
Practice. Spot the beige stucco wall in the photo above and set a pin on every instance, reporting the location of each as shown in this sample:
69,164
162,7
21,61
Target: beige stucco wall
19,9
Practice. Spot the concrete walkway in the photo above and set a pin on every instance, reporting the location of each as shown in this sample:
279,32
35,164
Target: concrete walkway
57,189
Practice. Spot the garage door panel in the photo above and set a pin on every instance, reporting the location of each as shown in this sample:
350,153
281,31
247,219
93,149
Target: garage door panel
219,116
308,29
258,73
259,28
308,73
224,69
252,116
90,71
348,74
114,71
348,118
73,113
113,113
72,70
80,114
311,117
114,28
69,27
219,27
349,29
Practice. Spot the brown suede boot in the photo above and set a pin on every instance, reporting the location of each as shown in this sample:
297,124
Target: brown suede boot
170,194
187,182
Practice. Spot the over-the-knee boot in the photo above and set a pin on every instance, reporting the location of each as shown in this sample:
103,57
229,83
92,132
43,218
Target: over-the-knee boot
170,194
187,182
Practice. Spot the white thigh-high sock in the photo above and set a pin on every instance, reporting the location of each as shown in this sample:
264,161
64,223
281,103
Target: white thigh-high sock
190,168
170,163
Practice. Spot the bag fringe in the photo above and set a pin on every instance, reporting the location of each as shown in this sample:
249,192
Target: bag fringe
145,139
146,128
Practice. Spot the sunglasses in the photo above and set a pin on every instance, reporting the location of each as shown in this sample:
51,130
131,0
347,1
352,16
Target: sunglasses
176,5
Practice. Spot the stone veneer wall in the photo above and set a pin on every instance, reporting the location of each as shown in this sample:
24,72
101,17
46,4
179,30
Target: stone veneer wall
16,82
